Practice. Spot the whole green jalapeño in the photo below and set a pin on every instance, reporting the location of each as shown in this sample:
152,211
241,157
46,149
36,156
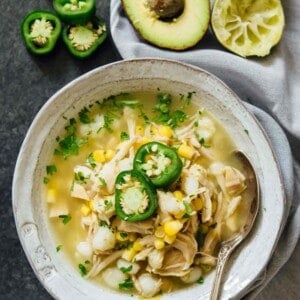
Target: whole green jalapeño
135,196
40,31
158,162
83,40
74,11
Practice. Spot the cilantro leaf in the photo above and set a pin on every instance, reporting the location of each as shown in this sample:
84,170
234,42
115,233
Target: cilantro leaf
126,285
51,169
124,136
82,269
84,116
126,269
58,248
65,218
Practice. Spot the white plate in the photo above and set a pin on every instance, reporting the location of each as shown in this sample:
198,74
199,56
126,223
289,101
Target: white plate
53,270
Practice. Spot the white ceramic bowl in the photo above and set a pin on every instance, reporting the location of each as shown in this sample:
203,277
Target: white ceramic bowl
53,270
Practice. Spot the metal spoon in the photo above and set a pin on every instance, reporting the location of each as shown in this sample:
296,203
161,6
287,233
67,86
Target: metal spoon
229,245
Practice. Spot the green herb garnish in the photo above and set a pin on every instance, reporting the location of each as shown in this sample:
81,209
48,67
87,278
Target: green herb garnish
124,136
200,280
58,248
65,218
70,144
84,116
126,285
103,223
126,269
51,169
80,177
46,180
82,269
91,160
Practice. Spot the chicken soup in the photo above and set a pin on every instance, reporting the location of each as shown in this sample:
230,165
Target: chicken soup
141,189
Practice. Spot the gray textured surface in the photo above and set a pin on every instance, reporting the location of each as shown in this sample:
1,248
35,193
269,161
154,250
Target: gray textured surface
26,84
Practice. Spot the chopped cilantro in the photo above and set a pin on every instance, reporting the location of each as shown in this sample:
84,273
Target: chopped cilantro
51,169
176,118
65,218
91,160
87,262
202,142
46,180
127,284
58,248
84,116
70,144
200,280
79,177
247,131
126,269
103,223
124,136
164,114
82,269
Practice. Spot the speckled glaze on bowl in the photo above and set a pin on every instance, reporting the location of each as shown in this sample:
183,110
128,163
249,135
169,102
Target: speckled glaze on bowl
53,270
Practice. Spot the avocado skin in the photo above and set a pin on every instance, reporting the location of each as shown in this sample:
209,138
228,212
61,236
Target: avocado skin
179,34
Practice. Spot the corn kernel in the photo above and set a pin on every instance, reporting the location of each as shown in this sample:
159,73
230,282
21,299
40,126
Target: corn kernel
170,239
129,254
85,210
99,155
139,130
165,131
197,204
121,236
178,195
137,246
109,154
186,151
51,195
172,227
159,232
159,244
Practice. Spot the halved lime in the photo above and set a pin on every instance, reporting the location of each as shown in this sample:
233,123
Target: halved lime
248,27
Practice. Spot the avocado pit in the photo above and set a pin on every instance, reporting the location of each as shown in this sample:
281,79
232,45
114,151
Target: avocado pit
166,9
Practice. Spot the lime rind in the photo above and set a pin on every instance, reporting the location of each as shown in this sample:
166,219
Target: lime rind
248,28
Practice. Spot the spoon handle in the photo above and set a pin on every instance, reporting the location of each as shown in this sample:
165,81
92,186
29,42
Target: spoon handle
224,253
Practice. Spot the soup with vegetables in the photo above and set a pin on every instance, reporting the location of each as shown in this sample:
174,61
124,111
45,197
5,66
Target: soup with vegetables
141,189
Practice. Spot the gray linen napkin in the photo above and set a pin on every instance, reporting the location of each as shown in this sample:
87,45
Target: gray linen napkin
269,84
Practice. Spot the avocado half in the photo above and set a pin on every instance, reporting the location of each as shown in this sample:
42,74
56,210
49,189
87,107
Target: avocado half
179,33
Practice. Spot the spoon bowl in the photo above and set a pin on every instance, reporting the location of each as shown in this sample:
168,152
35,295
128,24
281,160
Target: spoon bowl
227,246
